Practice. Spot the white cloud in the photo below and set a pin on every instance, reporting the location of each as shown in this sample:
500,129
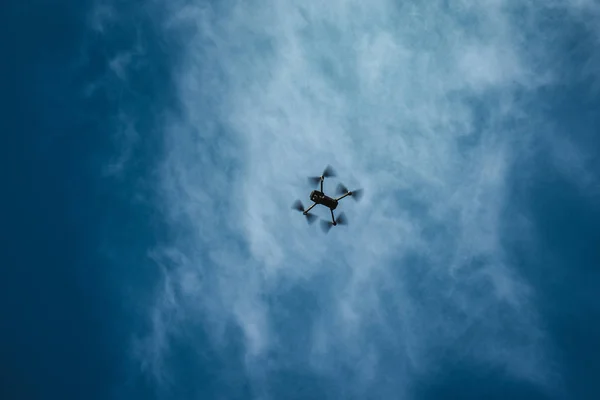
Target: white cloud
383,92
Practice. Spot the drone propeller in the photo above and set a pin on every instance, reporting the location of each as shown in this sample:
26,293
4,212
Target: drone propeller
341,189
298,206
326,225
310,218
355,194
314,180
327,172
340,220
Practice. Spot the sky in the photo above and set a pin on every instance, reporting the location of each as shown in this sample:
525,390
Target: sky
153,151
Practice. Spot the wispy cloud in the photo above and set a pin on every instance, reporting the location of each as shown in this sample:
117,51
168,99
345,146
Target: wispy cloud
417,102
118,79
127,138
102,14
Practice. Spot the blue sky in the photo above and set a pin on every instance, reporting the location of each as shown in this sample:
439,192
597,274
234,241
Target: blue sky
153,153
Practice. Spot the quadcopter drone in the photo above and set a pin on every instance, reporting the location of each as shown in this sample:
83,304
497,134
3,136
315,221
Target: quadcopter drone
319,197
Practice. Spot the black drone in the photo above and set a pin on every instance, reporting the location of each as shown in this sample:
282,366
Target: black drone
319,197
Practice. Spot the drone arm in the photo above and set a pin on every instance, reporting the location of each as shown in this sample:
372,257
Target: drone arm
332,217
322,179
309,208
341,197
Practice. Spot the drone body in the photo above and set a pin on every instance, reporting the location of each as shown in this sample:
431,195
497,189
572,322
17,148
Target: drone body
318,197
321,198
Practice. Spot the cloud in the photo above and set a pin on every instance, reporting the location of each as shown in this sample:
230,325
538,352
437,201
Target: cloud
102,15
416,102
575,161
582,41
118,79
127,139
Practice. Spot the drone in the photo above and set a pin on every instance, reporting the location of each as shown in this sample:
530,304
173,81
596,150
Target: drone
319,197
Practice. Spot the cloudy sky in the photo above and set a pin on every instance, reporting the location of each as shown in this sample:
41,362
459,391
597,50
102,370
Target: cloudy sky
154,150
